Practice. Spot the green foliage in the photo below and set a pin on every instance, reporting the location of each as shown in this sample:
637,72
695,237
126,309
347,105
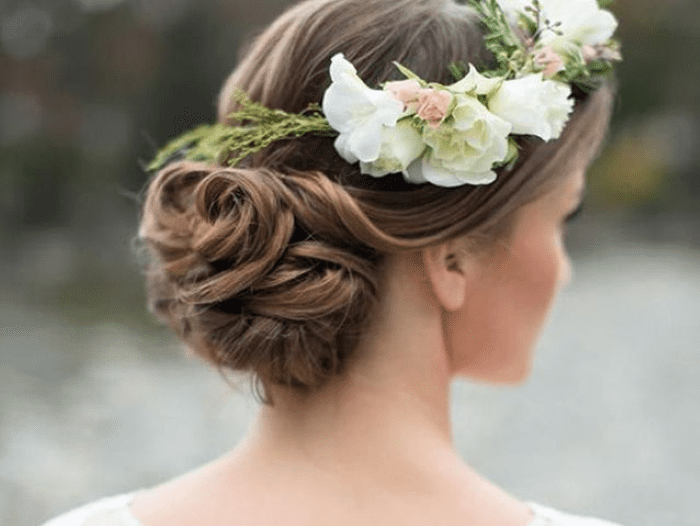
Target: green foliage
253,128
457,70
500,38
409,74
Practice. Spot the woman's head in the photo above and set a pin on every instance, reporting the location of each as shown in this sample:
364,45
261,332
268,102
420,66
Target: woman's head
273,268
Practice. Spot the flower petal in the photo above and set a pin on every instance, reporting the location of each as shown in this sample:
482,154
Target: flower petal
414,172
476,83
387,108
343,148
400,146
341,105
348,103
341,68
365,143
439,176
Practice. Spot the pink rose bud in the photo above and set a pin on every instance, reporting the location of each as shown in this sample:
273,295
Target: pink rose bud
406,91
433,106
550,60
589,53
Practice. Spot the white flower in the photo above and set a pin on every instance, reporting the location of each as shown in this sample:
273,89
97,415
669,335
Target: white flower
582,21
357,112
400,146
514,8
464,149
533,106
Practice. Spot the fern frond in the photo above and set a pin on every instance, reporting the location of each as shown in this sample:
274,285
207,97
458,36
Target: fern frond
253,128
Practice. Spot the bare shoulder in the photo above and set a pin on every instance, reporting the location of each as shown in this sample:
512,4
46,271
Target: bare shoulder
226,493
196,497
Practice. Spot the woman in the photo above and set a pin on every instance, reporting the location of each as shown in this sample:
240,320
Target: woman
409,235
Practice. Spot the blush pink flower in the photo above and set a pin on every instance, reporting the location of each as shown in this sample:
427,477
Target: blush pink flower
406,91
550,60
589,53
433,106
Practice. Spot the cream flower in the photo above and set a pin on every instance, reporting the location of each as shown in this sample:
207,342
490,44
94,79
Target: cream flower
464,149
533,106
357,112
400,146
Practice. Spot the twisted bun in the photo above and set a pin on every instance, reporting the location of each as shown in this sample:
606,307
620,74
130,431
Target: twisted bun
258,271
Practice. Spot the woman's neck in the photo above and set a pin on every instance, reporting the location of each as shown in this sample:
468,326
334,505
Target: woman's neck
360,445
390,411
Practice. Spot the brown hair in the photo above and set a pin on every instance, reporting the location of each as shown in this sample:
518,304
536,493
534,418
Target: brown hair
271,268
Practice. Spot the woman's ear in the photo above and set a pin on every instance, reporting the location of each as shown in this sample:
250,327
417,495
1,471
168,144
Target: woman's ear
451,267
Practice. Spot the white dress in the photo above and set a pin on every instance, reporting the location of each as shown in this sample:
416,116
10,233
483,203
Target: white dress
115,511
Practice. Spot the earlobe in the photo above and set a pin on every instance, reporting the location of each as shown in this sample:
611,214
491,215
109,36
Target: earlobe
450,269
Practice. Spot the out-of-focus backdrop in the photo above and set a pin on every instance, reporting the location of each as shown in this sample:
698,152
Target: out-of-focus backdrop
96,399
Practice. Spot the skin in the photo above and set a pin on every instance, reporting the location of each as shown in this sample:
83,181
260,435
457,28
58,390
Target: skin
375,446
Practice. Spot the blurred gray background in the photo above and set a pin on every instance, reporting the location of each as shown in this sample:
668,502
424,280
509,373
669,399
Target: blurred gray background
96,398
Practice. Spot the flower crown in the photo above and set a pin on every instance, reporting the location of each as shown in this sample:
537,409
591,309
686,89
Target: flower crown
444,135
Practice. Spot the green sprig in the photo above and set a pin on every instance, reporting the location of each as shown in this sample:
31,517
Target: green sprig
253,127
410,75
500,38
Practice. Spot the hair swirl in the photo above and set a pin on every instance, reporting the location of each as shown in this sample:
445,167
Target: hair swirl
262,271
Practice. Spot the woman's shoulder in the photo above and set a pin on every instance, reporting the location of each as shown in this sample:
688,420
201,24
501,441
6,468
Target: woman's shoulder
110,511
546,516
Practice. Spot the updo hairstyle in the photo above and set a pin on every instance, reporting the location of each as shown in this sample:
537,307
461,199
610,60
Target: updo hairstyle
272,268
